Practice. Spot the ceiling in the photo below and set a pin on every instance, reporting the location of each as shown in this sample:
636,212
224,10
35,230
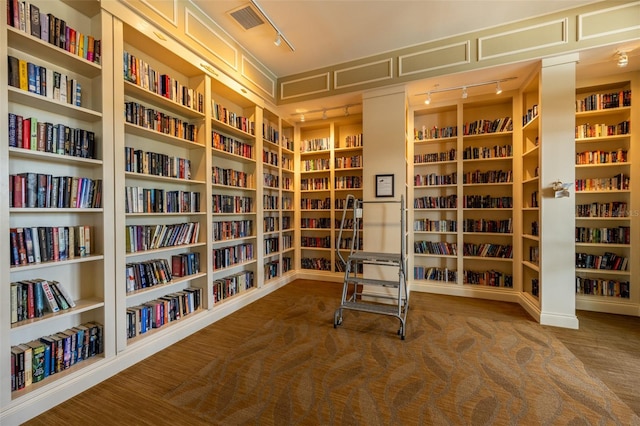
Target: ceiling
329,32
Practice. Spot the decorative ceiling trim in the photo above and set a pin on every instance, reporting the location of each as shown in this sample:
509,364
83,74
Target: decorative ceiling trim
531,34
435,53
188,14
370,65
319,83
271,91
613,22
173,21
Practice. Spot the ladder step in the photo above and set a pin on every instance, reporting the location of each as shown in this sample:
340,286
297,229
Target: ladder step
370,281
376,257
370,307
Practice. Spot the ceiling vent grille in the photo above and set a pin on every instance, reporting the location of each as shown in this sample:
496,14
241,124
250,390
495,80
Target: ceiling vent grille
247,16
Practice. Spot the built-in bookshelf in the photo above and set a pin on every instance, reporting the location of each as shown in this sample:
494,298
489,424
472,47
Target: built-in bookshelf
288,197
604,203
462,195
236,197
330,164
531,190
57,163
161,166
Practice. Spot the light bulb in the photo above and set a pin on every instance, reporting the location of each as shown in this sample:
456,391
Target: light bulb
278,40
428,100
623,59
498,88
302,117
464,93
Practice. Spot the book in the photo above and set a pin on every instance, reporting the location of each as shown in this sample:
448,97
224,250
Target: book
13,71
37,360
60,300
28,364
34,13
65,293
17,353
23,74
49,297
44,27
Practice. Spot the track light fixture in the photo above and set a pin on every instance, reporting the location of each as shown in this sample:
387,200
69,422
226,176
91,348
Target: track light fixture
623,59
464,88
324,111
279,36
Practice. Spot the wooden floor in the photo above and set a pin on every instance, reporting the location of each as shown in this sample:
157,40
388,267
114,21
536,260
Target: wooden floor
608,345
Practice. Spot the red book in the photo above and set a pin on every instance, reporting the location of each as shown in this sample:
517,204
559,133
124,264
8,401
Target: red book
22,248
26,133
18,191
31,312
56,244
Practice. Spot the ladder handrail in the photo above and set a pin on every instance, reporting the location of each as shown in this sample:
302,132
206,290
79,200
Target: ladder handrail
355,226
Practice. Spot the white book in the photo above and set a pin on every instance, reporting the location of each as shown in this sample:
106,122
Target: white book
14,303
63,88
49,297
50,83
36,245
65,294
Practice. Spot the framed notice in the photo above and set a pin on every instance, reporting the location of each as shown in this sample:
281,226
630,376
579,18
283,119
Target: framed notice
384,185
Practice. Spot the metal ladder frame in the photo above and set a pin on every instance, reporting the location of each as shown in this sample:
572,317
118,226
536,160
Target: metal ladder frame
352,296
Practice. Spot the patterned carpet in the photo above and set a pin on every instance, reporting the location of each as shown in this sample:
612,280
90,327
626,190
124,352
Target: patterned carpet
295,368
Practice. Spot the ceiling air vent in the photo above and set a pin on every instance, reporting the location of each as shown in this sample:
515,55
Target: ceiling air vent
247,16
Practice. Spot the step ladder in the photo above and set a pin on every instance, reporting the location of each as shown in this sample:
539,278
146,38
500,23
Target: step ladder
355,286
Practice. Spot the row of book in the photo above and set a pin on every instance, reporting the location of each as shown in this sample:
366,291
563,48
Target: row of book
315,164
271,245
150,273
226,287
480,153
286,222
441,202
287,143
610,209
600,130
271,269
489,176
270,202
231,145
36,360
317,263
534,255
487,202
287,163
316,204
140,73
430,225
39,190
157,200
35,298
287,241
608,261
355,161
534,202
435,157
48,244
43,81
310,184
345,243
225,257
602,157
270,224
33,134
159,121
617,235
602,287
152,237
340,267
530,115
348,223
163,310
230,177
232,204
232,229
156,164
269,157
488,278
503,251
503,226
270,180
433,179
348,182
435,133
435,274
435,247
619,182
340,203
270,133
315,242
28,18
600,101
234,120
312,145
287,183
353,141
315,222
479,127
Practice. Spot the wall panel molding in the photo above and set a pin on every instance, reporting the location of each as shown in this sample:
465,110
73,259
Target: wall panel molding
362,74
612,20
305,86
207,38
434,59
257,76
162,8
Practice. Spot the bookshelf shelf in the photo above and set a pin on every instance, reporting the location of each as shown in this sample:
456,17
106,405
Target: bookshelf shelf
82,305
43,265
56,158
133,129
131,255
52,106
147,96
52,210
